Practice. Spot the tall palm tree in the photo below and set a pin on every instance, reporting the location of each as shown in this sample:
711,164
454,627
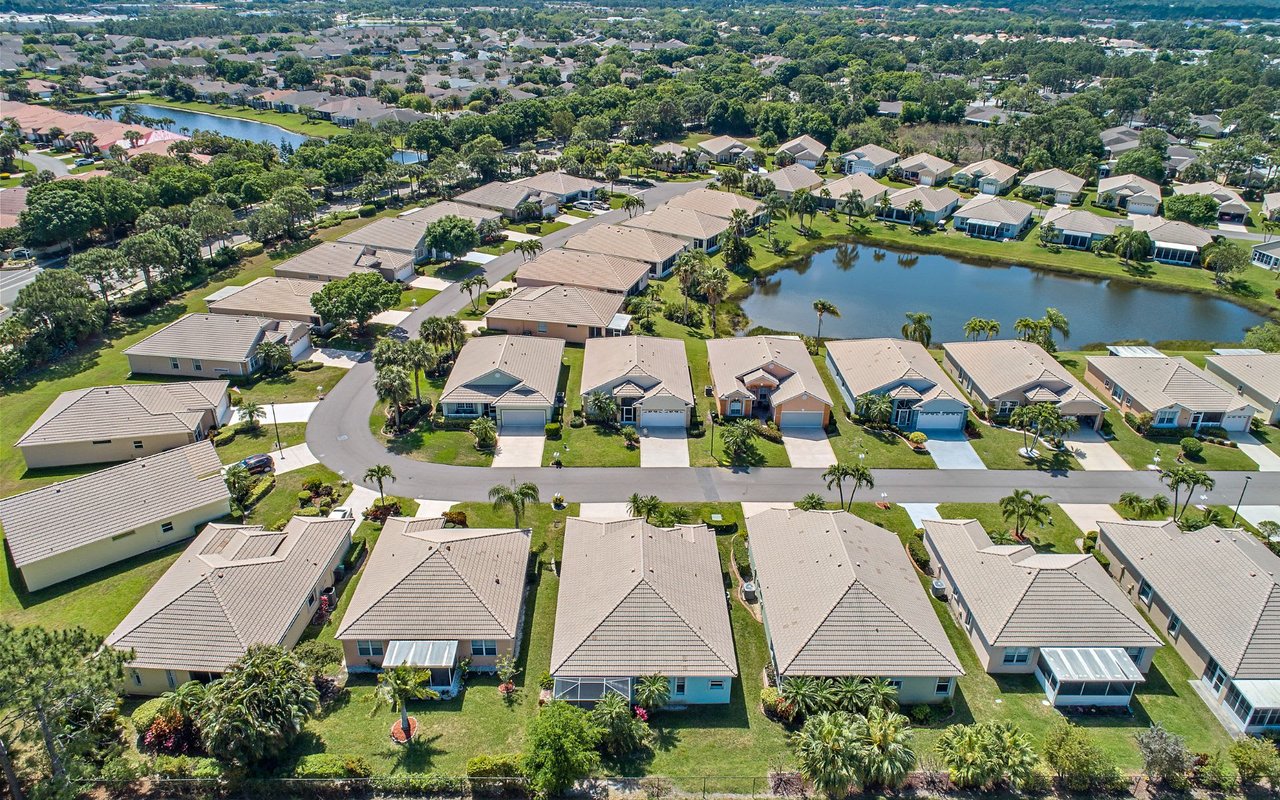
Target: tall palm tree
884,752
1022,508
1190,478
776,207
397,686
393,387
377,474
822,308
632,204
689,265
1057,321
514,497
419,357
859,476
915,208
835,475
529,248
1128,243
470,286
446,333
251,415
713,280
643,505
977,326
917,328
853,204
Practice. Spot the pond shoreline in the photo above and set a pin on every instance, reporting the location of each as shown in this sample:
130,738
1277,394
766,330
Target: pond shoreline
164,103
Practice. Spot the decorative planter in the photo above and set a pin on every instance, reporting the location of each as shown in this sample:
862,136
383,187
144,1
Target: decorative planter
397,732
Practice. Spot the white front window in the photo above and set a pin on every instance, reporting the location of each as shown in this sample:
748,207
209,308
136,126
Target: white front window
368,648
1017,655
1145,592
1166,417
484,647
943,687
679,687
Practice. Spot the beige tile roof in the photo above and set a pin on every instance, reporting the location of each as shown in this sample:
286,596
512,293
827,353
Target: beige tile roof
1171,231
506,369
715,203
404,232
990,168
989,208
1129,185
1055,179
217,337
804,145
1260,373
871,189
104,412
234,587
560,183
1223,584
1019,598
499,194
841,598
1225,196
681,222
270,297
568,304
616,240
340,260
924,161
578,268
1074,219
1162,382
425,581
932,198
722,144
873,153
637,600
794,178
653,364
61,517
875,365
1004,365
784,357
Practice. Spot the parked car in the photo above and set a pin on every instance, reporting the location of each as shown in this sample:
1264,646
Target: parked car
258,464
341,512
84,162
585,205
600,205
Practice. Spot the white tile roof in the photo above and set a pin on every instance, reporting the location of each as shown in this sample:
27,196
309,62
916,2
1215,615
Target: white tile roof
217,337
572,305
872,365
652,364
784,357
1162,382
989,208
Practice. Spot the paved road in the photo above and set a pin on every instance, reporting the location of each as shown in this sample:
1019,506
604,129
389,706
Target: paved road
57,166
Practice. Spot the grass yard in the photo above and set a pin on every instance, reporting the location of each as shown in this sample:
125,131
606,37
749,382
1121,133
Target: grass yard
448,270
425,443
1139,451
297,386
1268,435
497,249
279,506
413,298
591,446
771,454
262,440
998,448
1057,536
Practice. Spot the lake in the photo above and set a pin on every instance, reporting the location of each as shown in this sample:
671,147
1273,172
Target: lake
249,129
874,287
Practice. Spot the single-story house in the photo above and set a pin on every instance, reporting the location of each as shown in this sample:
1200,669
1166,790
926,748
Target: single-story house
234,587
795,178
118,423
1231,206
925,169
1172,390
804,150
331,261
564,187
561,312
513,379
509,198
638,600
923,396
657,250
1211,125
66,529
1004,374
867,187
724,149
987,176
1173,242
771,377
404,232
647,375
871,159
1079,229
1271,205
1054,615
1133,193
702,231
603,273
672,157
1255,376
987,216
1266,254
938,205
214,345
274,298
839,598
1062,185
720,204
431,597
1216,594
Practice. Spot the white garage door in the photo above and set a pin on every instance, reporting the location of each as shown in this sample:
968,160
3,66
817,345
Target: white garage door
801,419
939,421
524,418
301,346
662,418
1237,423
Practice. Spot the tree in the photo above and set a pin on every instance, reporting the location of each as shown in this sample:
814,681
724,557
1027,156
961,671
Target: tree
1022,508
977,326
396,687
643,505
739,441
258,707
1225,258
1255,759
826,751
1057,322
560,748
150,253
621,732
529,248
275,356
485,432
392,386
211,222
470,286
103,267
600,407
297,204
1165,757
1128,243
985,754
809,695
514,497
446,333
884,749
633,204
251,415
268,223
376,475
689,265
1142,161
1075,759
821,308
1184,477
452,235
355,298
853,205
917,328
239,483
874,407
1194,209
811,502
1265,337
60,307
418,358
713,281
653,691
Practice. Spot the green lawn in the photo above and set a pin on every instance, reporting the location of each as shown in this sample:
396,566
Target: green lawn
591,446
772,454
262,440
278,507
1058,535
883,449
425,443
497,249
998,448
1139,451
448,270
297,386
546,226
413,298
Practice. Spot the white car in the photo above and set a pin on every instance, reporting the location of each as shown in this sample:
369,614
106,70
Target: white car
341,512
585,205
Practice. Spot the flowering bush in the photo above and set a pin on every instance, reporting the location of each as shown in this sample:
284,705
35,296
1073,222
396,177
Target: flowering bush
642,714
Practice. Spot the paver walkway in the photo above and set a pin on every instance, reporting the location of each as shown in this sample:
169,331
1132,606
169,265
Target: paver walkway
1267,459
808,448
520,447
660,447
1094,453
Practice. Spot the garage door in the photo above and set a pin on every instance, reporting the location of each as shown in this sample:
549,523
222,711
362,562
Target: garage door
939,421
662,418
1237,423
524,418
801,419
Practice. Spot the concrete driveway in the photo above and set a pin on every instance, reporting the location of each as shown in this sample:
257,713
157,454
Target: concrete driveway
662,447
604,512
520,447
333,357
951,450
289,412
1266,458
1093,452
1086,516
292,458
808,448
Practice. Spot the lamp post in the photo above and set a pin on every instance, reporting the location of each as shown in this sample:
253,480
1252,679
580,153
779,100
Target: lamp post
276,422
713,436
1243,489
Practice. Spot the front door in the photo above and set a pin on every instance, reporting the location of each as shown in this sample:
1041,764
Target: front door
1196,418
628,413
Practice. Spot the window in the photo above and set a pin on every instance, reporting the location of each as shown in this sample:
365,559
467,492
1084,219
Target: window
1145,592
101,441
1166,417
715,686
464,408
1241,707
943,687
1136,653
484,647
311,598
542,327
368,648
679,690
1175,625
1017,655
173,363
166,527
137,677
137,444
894,684
196,365
1117,393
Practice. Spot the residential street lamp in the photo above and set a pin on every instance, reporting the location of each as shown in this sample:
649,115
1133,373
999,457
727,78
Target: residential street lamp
1243,489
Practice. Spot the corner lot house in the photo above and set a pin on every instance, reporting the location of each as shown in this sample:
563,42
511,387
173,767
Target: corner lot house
719,204
795,178
868,188
66,529
1231,206
805,150
432,596
1054,615
235,586
724,149
987,176
926,169
923,396
701,231
1173,242
512,379
509,199
657,250
564,187
990,217
1003,375
840,598
562,312
118,423
1216,594
1133,193
638,600
937,205
214,345
871,159
1255,376
1266,254
1174,392
558,267
1062,185
771,377
647,375
274,298
331,261
1078,229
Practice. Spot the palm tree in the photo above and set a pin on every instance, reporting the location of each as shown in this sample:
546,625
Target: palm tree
835,475
397,686
803,204
739,221
884,207
376,475
775,207
653,691
251,415
1186,477
529,248
825,751
821,308
1047,234
444,332
689,265
884,751
880,693
738,438
632,204
392,385
485,433
1128,242
713,280
874,407
470,286
419,357
611,174
1023,508
809,695
600,407
514,497
853,204
977,326
917,328
850,694
859,476
643,505
1058,322
915,208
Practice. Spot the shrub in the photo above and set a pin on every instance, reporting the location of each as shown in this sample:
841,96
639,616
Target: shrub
379,512
921,714
308,366
368,210
769,432
769,699
1090,542
321,766
309,511
1256,759
304,497
533,228
495,774
145,714
1191,447
917,438
553,430
357,551
918,552
546,681
457,519
419,783
318,655
260,490
250,249
577,422
1217,774
225,437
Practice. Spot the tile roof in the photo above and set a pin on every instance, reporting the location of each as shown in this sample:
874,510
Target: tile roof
1055,179
990,168
571,305
340,260
1129,185
63,516
1162,382
216,337
424,581
500,369
1259,373
716,203
804,145
503,195
1018,596
869,365
636,600
103,412
1170,231
586,270
871,189
681,222
932,198
722,144
270,297
733,360
560,183
873,153
404,232
989,208
1002,366
1223,584
617,240
841,598
924,161
652,364
1080,221
794,178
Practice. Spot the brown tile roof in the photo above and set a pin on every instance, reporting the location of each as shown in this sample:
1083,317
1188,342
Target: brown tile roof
617,240
567,304
104,412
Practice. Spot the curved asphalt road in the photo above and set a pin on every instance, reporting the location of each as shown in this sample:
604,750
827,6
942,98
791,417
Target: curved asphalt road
339,436
40,161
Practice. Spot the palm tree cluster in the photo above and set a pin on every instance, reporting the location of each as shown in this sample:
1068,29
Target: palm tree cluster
1139,507
400,364
1040,421
987,754
653,510
1189,478
977,326
698,276
837,750
1024,507
1040,331
918,327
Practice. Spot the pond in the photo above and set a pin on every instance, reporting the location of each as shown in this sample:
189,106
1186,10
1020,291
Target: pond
249,129
874,287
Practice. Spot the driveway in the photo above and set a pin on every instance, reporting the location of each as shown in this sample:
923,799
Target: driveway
520,447
333,357
433,508
1093,452
919,512
40,161
1086,516
660,447
603,512
1257,514
292,458
951,450
430,282
1266,458
808,448
289,412
390,317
